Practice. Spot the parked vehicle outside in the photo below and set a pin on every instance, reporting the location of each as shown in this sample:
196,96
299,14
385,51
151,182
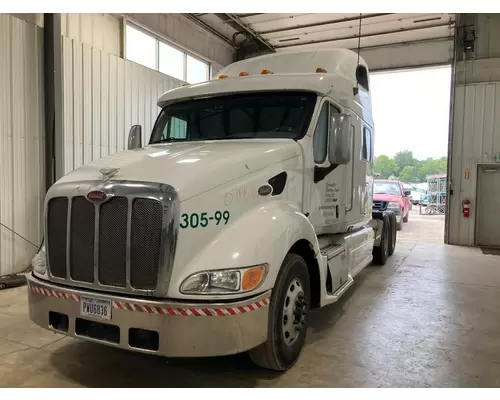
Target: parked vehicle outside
391,195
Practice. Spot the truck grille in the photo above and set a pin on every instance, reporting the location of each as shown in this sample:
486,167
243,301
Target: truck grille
108,244
379,205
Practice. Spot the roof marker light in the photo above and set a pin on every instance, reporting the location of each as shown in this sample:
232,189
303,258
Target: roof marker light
265,72
243,73
222,76
320,70
186,84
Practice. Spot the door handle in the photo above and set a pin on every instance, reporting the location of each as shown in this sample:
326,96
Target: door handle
337,211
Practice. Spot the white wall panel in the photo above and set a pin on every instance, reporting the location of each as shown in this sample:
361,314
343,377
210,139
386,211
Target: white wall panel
21,142
476,141
101,31
104,96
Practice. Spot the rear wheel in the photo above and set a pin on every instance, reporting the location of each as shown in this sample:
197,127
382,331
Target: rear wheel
287,324
381,252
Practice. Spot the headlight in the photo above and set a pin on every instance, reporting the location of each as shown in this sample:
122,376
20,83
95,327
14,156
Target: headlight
393,205
227,281
39,262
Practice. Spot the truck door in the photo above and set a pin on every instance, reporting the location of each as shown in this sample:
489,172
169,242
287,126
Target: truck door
327,200
360,186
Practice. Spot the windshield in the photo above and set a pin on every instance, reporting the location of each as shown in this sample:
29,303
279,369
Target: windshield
280,115
386,188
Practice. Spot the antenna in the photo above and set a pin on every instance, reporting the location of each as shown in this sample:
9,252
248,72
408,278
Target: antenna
356,89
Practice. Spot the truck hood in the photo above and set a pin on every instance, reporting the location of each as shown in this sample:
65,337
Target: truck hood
387,197
193,167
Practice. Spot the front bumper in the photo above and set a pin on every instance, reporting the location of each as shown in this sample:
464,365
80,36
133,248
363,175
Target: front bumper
179,329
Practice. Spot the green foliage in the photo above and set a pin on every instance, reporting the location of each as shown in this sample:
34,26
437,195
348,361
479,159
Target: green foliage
385,166
403,159
408,169
409,174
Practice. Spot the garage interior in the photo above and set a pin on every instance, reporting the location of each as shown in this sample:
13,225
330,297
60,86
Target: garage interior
71,86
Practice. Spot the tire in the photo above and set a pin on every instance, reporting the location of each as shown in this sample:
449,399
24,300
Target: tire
275,353
405,219
393,235
399,225
381,253
3,286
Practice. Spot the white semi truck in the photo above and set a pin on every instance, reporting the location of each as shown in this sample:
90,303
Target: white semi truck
250,206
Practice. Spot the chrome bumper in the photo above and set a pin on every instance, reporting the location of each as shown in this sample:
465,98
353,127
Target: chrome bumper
178,329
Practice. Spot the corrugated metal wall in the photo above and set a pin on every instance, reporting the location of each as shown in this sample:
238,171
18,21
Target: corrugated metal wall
476,140
102,31
104,96
21,141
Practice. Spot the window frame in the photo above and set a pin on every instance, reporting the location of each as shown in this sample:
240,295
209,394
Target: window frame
328,124
307,122
159,39
337,108
365,145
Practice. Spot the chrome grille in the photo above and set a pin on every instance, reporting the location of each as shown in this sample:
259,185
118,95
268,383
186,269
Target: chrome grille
379,205
145,243
124,244
82,237
113,242
57,221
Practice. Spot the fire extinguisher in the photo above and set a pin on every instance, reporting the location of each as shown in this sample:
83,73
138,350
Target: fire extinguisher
466,208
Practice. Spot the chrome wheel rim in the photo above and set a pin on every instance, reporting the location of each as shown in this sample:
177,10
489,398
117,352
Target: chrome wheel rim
294,312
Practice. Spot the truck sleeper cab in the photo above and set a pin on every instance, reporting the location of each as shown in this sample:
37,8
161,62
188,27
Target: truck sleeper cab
251,205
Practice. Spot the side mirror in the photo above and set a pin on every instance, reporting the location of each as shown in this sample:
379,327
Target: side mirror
340,144
135,137
407,192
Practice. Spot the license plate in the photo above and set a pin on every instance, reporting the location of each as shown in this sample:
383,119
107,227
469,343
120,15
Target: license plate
95,308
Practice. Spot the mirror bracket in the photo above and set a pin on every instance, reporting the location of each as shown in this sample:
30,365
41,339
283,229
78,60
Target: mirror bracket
135,137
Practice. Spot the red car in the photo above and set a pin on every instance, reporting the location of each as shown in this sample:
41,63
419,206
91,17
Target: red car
391,195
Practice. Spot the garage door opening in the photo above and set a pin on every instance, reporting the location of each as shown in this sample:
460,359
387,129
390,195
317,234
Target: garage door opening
411,116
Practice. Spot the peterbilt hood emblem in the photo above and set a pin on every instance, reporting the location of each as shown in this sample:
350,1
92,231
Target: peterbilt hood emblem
96,196
108,173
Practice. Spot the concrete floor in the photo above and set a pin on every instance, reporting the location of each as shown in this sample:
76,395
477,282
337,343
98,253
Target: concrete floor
430,317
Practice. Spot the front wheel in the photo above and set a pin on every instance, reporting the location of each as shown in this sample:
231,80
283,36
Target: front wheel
287,324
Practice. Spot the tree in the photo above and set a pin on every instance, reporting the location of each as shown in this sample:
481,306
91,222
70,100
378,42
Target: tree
403,159
431,167
409,174
385,166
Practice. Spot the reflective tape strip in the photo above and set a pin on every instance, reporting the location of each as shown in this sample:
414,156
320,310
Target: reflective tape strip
186,312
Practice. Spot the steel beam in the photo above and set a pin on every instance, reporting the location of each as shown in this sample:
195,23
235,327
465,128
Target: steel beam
248,15
332,40
53,96
330,22
242,28
194,18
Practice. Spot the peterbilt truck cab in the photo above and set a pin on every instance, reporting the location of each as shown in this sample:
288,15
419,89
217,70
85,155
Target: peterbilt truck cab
250,205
